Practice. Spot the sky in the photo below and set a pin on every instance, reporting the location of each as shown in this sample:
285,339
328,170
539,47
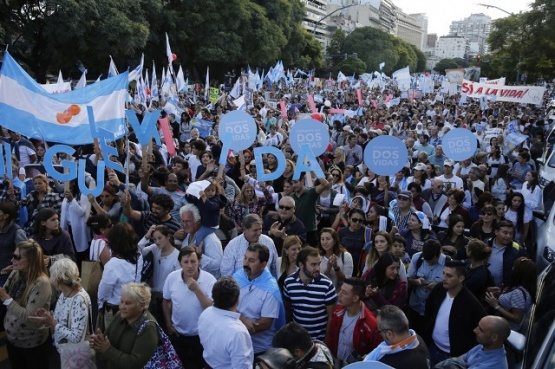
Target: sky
442,12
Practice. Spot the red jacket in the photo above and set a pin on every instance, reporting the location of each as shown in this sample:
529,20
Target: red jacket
365,336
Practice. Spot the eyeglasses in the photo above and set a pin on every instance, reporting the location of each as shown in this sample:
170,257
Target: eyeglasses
283,207
357,220
487,213
16,257
335,175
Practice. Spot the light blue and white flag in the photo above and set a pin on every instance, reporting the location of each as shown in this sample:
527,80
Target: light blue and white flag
154,86
180,80
82,81
60,77
136,73
25,107
341,77
112,70
236,90
382,64
207,84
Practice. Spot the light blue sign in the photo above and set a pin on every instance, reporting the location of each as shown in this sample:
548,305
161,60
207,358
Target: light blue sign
459,144
385,155
309,133
237,130
280,158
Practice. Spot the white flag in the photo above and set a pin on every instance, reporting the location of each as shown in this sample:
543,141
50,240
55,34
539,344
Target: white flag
169,54
112,70
180,80
82,81
136,73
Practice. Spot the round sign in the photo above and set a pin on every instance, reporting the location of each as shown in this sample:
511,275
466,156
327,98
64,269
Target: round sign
311,133
237,130
459,144
385,155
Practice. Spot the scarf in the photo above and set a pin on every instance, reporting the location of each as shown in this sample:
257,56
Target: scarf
383,348
269,284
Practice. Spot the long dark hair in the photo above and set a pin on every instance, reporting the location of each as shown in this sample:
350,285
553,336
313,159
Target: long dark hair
535,181
519,212
377,276
524,275
502,172
123,240
42,216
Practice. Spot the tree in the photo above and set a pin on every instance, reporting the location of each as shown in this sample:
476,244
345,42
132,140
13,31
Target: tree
351,66
446,64
336,47
46,34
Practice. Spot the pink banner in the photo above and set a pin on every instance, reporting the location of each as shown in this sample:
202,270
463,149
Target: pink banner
336,111
311,104
359,95
388,98
283,109
168,138
375,104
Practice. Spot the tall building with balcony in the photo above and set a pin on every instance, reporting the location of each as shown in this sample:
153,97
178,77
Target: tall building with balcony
409,29
476,29
422,20
315,11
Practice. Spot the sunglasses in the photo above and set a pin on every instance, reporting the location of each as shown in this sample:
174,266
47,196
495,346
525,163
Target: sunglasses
487,213
283,207
357,220
335,175
403,198
16,257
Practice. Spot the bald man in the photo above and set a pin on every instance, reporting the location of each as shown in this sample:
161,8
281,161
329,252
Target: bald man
491,333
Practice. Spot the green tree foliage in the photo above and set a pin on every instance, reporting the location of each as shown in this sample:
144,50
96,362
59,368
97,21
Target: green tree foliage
335,50
374,46
351,66
54,34
449,64
47,35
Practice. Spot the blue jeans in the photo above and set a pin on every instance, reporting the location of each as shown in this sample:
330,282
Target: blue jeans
436,355
202,233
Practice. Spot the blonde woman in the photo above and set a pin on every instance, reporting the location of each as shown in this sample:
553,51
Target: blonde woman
27,290
287,262
247,203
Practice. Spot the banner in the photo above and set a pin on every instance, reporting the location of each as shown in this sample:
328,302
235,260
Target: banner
499,81
214,94
25,107
455,75
518,94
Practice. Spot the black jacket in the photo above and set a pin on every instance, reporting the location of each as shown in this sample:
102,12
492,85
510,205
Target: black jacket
510,254
465,315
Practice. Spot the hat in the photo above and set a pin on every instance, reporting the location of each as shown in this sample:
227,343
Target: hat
252,162
449,163
405,194
420,166
423,219
348,129
278,358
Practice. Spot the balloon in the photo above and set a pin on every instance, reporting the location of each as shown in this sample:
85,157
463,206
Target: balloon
148,92
317,116
174,56
330,146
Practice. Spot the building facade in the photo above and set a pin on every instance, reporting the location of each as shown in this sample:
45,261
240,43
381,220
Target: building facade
449,47
476,29
409,29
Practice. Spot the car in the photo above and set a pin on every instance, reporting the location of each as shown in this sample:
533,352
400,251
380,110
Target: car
544,233
537,346
546,166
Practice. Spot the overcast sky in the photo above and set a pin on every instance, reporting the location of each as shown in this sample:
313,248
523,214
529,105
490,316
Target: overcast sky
442,12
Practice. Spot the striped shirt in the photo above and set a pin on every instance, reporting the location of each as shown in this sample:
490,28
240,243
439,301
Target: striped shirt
309,302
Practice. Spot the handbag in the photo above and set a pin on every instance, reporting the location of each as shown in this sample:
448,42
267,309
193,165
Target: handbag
91,274
165,356
78,355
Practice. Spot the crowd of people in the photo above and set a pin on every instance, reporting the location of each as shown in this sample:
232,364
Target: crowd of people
433,263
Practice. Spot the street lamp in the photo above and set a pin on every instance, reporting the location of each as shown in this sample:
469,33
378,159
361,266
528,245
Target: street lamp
329,15
487,6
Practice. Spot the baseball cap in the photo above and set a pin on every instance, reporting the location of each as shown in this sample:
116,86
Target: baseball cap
348,129
407,194
449,162
420,166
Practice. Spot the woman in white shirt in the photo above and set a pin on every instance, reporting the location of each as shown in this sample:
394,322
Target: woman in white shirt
124,267
75,212
532,193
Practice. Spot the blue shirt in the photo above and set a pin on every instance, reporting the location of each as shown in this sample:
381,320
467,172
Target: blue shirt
477,358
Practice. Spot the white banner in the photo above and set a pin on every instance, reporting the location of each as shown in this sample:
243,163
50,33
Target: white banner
57,88
518,94
455,75
499,81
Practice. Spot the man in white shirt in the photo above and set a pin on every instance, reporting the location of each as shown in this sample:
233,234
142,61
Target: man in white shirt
226,341
234,252
187,292
448,178
260,302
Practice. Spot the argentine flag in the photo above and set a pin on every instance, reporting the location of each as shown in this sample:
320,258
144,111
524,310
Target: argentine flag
25,107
